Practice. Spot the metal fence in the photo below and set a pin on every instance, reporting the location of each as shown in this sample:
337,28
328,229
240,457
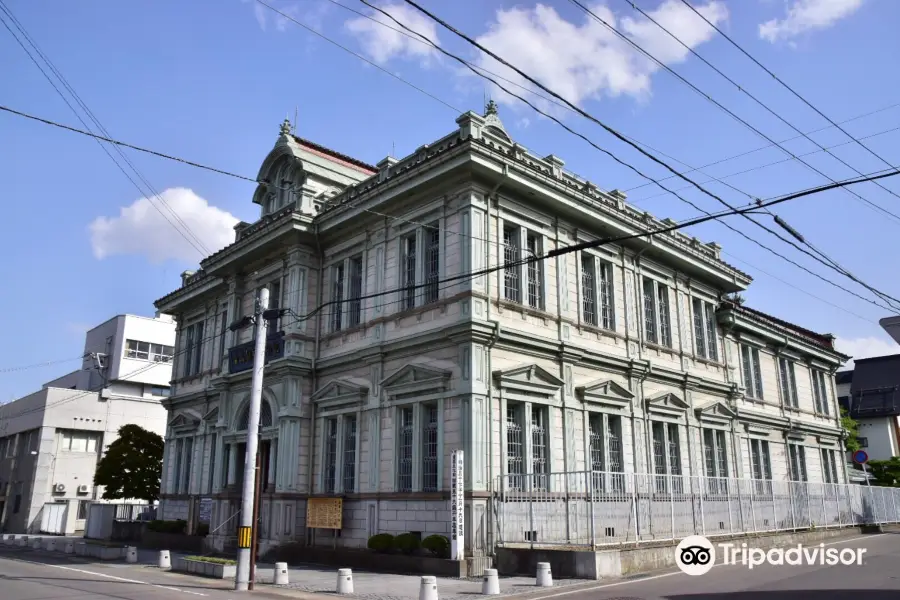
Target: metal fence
135,512
592,508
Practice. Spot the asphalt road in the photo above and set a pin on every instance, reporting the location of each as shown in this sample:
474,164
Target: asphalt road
877,578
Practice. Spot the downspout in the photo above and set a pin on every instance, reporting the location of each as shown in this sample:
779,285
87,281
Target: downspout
490,369
314,378
639,322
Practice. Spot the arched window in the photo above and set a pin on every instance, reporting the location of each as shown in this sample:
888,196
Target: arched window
265,416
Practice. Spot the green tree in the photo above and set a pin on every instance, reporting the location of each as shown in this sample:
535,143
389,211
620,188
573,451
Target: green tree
132,465
885,472
851,429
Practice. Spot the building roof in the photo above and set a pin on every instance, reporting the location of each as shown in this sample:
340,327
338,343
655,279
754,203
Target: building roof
842,377
333,154
823,340
875,390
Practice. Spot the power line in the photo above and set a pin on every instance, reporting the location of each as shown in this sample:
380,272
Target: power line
194,241
719,104
790,89
619,136
46,363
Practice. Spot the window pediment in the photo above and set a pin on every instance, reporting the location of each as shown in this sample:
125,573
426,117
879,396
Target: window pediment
605,393
342,392
667,404
185,422
212,416
716,413
416,379
529,380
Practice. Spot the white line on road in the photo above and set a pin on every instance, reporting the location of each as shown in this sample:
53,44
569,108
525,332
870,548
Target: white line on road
122,579
642,579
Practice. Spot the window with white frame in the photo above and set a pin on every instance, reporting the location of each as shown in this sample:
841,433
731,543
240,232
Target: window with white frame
829,466
797,462
329,482
667,457
405,436
337,296
408,271
432,262
788,382
273,325
540,462
597,292
193,349
605,434
349,459
429,448
148,351
751,372
520,244
354,291
79,441
515,446
705,338
657,325
715,458
820,392
760,466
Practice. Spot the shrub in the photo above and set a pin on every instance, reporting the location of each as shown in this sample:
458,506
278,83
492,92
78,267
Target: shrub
211,559
407,543
167,526
381,542
438,545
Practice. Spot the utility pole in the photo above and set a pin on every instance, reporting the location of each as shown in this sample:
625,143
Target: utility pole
245,556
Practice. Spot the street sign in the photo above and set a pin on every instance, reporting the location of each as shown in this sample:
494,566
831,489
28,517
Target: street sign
860,457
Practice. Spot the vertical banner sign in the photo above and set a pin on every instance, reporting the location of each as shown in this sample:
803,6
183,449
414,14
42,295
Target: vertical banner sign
457,518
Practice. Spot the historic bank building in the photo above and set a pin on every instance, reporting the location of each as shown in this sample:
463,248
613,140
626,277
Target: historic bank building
623,359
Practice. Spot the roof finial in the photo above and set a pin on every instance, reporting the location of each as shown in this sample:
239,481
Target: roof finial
286,127
490,108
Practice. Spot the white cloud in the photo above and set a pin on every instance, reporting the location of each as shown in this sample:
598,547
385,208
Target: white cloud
807,15
865,347
587,60
382,41
309,13
141,229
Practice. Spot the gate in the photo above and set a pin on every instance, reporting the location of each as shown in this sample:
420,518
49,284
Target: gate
53,518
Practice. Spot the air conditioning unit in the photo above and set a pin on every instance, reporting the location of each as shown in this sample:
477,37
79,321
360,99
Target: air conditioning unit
82,489
59,488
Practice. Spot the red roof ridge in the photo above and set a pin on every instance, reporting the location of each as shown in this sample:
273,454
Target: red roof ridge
344,158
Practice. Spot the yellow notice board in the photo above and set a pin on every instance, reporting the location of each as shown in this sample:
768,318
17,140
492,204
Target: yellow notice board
324,513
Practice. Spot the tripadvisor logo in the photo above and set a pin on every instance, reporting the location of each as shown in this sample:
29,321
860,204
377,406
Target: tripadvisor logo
696,555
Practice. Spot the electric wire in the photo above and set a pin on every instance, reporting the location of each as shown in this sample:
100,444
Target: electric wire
39,365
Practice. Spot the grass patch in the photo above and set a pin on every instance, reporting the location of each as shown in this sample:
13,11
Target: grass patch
211,559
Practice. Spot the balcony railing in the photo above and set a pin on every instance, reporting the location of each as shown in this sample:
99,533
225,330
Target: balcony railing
240,357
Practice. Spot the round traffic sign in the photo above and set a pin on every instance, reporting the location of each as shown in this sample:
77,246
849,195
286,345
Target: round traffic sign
860,457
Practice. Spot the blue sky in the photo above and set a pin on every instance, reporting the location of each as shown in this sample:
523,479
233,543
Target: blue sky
211,82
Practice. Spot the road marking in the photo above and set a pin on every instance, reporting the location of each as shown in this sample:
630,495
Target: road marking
108,576
641,579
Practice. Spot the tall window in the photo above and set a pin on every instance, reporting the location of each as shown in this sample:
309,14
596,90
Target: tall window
829,466
535,270
760,466
432,262
752,374
354,293
337,297
349,462
430,447
820,392
274,302
515,446
193,346
788,383
606,452
405,449
331,445
657,328
705,329
184,484
539,458
223,327
408,266
797,455
667,457
597,292
512,287
715,457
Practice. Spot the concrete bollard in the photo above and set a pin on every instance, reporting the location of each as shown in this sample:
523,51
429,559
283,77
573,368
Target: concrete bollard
544,578
345,581
131,554
36,543
69,548
491,584
281,574
50,546
428,588
165,561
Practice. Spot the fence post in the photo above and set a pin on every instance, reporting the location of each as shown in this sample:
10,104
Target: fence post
672,504
590,488
791,496
531,509
806,486
702,514
774,512
824,506
728,496
752,507
634,510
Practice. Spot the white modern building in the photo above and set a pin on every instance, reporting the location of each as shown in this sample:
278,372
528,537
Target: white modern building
619,373
51,440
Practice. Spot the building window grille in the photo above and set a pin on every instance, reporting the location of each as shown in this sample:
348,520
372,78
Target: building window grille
589,288
512,288
430,447
667,458
761,466
752,374
405,450
539,462
515,466
535,272
331,435
337,298
349,466
432,262
354,308
409,272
